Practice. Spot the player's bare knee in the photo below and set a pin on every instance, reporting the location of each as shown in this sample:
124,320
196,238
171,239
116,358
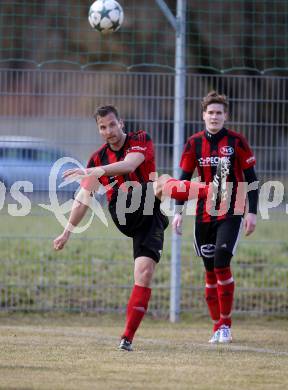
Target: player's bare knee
143,276
159,184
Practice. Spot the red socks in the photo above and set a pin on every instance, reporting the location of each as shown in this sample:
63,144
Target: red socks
211,296
184,189
136,309
225,294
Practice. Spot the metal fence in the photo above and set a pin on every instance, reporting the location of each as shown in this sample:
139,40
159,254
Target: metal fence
95,272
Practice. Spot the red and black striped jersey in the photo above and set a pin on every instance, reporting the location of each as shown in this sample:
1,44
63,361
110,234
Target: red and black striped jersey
139,142
203,151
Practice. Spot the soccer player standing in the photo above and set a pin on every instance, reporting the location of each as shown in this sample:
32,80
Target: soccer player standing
125,165
222,157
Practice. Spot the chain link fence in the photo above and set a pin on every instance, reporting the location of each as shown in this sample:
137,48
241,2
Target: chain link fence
222,35
53,109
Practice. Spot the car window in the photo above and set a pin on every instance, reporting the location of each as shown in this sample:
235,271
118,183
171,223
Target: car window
30,154
46,155
8,153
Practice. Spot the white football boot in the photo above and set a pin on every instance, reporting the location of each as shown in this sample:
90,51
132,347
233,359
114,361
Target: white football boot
215,338
225,335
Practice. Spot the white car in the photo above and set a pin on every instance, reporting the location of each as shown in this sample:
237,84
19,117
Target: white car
31,159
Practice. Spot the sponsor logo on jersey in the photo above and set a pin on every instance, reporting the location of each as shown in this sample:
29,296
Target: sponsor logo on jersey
207,250
212,161
137,148
250,160
227,150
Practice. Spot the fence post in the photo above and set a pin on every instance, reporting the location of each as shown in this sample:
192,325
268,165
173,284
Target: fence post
178,140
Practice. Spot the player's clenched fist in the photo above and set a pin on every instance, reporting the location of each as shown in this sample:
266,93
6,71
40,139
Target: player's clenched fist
61,240
177,224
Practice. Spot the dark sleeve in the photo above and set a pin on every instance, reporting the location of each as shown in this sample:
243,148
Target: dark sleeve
188,159
250,177
244,153
179,204
91,163
94,160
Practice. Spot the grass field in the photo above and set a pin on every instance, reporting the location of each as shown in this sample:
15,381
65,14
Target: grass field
268,243
95,269
79,352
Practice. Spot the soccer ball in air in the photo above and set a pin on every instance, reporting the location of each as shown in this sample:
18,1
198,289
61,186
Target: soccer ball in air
106,15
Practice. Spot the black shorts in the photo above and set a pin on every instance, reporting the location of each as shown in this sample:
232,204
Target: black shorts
223,234
145,225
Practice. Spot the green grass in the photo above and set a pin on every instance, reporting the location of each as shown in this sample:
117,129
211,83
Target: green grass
80,352
268,242
95,270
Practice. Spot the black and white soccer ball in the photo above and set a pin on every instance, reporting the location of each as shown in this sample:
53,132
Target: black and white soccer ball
106,15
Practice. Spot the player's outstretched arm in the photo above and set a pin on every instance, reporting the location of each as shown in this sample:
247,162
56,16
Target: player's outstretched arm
79,208
78,173
128,165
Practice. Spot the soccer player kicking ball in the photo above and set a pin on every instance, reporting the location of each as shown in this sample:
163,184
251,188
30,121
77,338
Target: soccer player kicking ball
224,160
125,165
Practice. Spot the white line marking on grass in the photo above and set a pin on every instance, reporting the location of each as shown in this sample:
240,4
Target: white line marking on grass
241,348
94,333
228,347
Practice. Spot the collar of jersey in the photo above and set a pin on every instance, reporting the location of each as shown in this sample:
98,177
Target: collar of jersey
122,147
215,137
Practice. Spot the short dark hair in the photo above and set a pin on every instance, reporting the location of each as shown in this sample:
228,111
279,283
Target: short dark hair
214,98
105,110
